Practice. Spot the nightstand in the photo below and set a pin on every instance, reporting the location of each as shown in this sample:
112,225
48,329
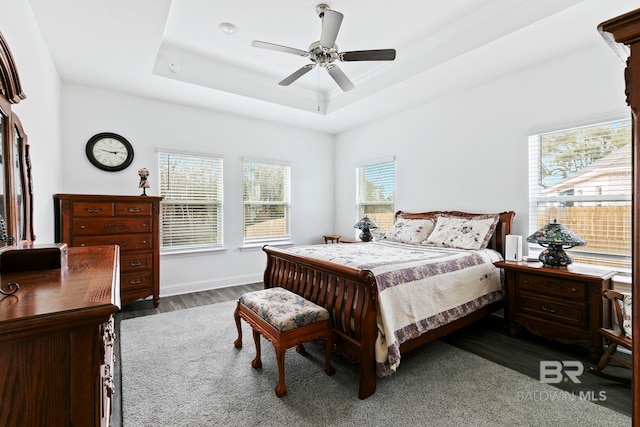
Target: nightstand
560,304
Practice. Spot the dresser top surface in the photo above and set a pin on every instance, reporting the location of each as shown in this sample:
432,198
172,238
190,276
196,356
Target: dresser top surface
89,284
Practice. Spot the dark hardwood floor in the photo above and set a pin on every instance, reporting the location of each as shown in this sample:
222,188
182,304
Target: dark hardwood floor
487,338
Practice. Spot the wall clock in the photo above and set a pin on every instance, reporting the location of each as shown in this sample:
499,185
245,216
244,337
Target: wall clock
109,152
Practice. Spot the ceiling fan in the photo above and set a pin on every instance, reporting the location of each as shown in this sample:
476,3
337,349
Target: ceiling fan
325,52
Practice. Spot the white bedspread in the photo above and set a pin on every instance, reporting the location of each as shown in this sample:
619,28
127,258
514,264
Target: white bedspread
420,287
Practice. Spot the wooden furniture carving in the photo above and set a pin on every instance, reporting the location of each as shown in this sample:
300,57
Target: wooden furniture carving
16,209
56,336
281,326
623,34
560,304
614,337
350,295
131,222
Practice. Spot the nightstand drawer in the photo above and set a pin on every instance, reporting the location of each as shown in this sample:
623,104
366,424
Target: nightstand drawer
92,209
101,226
561,311
559,287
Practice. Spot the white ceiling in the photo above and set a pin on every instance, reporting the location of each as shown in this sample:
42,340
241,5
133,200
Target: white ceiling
135,46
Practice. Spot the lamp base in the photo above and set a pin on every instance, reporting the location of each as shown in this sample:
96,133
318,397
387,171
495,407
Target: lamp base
366,236
555,256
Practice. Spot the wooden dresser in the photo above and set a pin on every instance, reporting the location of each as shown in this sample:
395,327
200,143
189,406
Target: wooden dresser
131,222
56,342
560,304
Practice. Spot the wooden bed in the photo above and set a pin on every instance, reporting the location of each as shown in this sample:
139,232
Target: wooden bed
350,295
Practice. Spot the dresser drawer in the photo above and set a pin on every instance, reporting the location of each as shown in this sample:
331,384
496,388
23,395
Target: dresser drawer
572,313
136,262
552,286
128,209
127,242
92,209
135,281
102,226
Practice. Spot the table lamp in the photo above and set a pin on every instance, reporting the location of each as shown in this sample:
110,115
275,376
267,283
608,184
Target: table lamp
366,224
556,238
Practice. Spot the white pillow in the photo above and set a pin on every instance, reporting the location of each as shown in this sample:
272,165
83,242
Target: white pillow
413,231
463,233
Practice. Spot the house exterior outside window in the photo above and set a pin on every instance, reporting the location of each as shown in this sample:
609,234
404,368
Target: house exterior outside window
375,193
581,177
191,209
267,201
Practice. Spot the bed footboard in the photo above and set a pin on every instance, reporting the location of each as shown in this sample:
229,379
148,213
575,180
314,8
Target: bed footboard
350,296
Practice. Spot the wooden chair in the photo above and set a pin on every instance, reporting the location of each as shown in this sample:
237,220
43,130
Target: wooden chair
621,303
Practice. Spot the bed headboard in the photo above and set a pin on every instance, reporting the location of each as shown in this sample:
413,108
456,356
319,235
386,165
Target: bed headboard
502,228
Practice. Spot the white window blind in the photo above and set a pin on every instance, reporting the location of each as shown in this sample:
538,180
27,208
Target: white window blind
191,209
581,177
375,193
267,201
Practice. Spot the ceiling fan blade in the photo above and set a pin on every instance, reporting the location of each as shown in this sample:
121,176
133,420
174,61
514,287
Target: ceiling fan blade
296,75
368,55
341,78
331,21
279,48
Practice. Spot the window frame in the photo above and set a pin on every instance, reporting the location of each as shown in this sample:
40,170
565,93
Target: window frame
286,238
576,195
218,203
361,169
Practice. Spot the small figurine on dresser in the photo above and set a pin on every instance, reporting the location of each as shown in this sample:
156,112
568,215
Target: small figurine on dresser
144,184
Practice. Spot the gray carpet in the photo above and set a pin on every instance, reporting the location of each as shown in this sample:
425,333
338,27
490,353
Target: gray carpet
181,369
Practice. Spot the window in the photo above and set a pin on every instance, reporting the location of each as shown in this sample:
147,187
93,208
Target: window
267,201
375,184
582,178
191,211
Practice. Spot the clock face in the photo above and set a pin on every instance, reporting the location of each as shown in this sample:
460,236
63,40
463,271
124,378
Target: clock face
109,152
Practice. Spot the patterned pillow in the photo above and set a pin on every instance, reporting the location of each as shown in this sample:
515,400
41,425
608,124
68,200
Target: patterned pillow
413,231
463,233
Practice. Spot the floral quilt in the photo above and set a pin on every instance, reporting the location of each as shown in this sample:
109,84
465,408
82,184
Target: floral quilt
420,287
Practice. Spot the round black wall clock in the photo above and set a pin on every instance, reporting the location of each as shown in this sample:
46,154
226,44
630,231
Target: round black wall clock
109,152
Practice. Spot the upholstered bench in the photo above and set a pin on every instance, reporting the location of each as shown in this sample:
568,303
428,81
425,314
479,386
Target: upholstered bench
286,319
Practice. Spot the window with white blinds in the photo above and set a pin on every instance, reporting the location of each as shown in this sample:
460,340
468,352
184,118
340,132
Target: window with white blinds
191,208
581,177
267,201
375,193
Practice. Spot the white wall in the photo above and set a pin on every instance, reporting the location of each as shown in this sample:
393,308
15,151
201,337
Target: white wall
468,151
40,112
150,124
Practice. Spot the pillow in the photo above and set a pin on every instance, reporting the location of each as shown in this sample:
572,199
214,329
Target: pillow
413,231
463,233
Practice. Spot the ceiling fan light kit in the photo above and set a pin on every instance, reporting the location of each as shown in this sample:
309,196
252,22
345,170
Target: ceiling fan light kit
325,53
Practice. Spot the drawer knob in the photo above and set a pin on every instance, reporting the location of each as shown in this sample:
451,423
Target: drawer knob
82,245
135,281
82,227
548,308
135,263
134,210
526,282
93,210
574,290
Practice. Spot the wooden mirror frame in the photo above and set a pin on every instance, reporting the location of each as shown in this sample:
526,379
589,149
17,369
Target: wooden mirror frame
623,35
17,208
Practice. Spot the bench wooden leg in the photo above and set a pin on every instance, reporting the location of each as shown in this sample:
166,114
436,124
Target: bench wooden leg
328,368
236,315
257,362
281,388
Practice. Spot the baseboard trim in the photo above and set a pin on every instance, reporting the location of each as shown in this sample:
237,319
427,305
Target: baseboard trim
189,287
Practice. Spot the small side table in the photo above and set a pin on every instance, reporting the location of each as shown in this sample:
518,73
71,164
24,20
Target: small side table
333,238
560,304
